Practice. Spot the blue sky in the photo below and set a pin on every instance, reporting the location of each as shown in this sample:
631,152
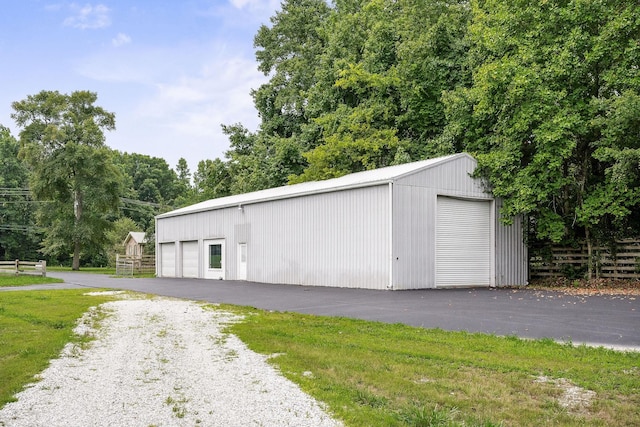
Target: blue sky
171,70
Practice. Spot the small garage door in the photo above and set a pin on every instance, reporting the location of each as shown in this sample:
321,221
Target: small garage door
168,258
190,259
463,242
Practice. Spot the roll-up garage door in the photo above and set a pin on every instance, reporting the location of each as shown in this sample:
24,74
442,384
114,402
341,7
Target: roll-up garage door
168,257
463,242
190,259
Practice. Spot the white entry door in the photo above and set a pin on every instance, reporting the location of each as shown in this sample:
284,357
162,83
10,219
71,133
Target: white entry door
214,259
241,274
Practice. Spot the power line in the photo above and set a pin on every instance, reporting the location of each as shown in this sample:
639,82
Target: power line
25,192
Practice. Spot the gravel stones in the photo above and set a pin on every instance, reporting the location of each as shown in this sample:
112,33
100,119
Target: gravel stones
161,362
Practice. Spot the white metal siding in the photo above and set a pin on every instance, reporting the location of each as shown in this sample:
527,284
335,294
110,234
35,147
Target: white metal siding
333,239
463,242
168,257
330,239
414,218
413,235
452,178
343,237
190,256
512,260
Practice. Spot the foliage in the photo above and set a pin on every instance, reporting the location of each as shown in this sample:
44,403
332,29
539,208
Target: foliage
62,141
545,94
150,186
34,327
19,236
378,97
115,236
376,374
211,180
352,87
552,113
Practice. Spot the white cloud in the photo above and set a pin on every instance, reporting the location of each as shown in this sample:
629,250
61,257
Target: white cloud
250,9
256,4
171,101
120,39
242,3
88,16
196,105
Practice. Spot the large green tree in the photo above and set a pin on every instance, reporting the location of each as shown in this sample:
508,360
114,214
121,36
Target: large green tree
18,231
552,112
353,86
62,141
289,52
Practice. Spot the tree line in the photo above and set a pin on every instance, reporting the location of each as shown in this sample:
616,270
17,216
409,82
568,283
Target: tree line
544,94
66,196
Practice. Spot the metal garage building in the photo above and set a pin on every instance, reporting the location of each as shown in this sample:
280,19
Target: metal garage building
418,225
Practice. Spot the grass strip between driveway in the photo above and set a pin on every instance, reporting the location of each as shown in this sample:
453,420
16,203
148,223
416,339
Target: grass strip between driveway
34,327
376,374
8,280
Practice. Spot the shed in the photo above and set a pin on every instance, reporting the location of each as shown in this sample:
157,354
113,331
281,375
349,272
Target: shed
134,243
418,225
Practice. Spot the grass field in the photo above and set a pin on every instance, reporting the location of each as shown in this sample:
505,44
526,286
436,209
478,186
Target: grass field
375,374
7,280
111,271
34,327
95,270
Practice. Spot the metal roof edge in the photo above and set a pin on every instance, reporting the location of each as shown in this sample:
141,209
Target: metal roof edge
443,160
278,197
308,192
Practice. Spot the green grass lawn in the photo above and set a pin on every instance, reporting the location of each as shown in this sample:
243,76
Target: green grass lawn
376,374
7,280
95,270
111,271
34,327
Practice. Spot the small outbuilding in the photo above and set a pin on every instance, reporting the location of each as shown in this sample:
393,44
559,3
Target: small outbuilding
418,225
134,243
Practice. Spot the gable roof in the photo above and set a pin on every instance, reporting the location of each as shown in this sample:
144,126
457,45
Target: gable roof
137,236
354,180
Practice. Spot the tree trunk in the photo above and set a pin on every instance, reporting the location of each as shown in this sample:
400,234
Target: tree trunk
75,266
77,211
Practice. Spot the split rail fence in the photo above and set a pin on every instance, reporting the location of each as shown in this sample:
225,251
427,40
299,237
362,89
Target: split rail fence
621,261
17,267
129,265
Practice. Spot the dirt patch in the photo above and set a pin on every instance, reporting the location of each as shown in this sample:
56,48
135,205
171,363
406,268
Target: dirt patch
585,287
574,399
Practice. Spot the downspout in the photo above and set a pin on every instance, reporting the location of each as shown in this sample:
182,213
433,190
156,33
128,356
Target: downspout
390,285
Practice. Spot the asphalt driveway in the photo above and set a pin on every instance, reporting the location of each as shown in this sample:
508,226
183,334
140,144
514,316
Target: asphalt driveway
611,321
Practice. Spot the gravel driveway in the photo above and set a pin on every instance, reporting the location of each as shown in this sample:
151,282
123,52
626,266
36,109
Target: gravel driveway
161,362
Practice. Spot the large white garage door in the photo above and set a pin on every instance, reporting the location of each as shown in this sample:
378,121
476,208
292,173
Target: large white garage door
463,242
190,259
168,258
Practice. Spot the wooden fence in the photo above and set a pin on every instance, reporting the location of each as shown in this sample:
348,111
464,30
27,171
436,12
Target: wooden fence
17,267
619,261
128,265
